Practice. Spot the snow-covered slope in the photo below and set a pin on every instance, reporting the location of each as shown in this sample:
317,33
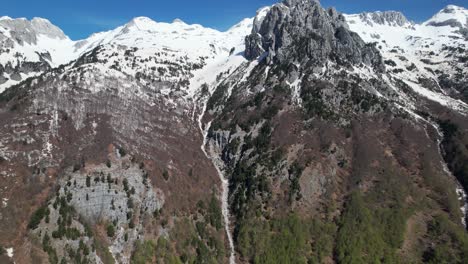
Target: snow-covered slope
176,56
451,15
422,55
30,48
393,29
142,32
191,55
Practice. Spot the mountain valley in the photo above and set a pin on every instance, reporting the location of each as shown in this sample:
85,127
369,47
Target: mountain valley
301,135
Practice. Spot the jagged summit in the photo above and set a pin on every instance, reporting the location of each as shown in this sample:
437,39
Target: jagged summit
302,31
261,13
293,3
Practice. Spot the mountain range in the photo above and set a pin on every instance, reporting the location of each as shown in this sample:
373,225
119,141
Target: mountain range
301,135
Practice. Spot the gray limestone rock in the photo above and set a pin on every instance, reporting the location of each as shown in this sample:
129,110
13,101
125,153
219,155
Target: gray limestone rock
3,79
24,31
303,32
15,76
392,18
450,22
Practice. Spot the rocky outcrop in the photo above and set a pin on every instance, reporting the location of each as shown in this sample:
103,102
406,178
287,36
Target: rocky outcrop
302,31
118,194
450,23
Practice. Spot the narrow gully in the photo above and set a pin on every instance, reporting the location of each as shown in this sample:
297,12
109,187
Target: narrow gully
224,185
462,195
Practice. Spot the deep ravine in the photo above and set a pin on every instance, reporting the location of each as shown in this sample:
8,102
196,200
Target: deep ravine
224,184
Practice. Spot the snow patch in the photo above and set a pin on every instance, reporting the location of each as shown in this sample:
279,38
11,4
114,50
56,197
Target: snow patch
5,202
10,252
464,200
440,98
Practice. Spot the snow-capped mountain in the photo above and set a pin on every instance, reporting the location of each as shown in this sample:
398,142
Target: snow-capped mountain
172,142
430,57
327,91
393,29
171,52
31,47
453,16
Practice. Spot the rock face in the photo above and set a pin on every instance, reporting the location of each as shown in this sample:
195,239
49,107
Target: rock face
118,193
26,32
29,48
391,18
449,22
113,192
317,125
316,34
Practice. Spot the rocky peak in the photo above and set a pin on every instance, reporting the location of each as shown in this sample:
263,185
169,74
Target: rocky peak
24,31
261,13
45,27
302,31
391,18
295,3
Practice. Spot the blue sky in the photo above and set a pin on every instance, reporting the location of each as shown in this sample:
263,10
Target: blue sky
81,18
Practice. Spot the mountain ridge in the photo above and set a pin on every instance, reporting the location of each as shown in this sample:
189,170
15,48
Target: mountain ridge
63,52
70,50
262,144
